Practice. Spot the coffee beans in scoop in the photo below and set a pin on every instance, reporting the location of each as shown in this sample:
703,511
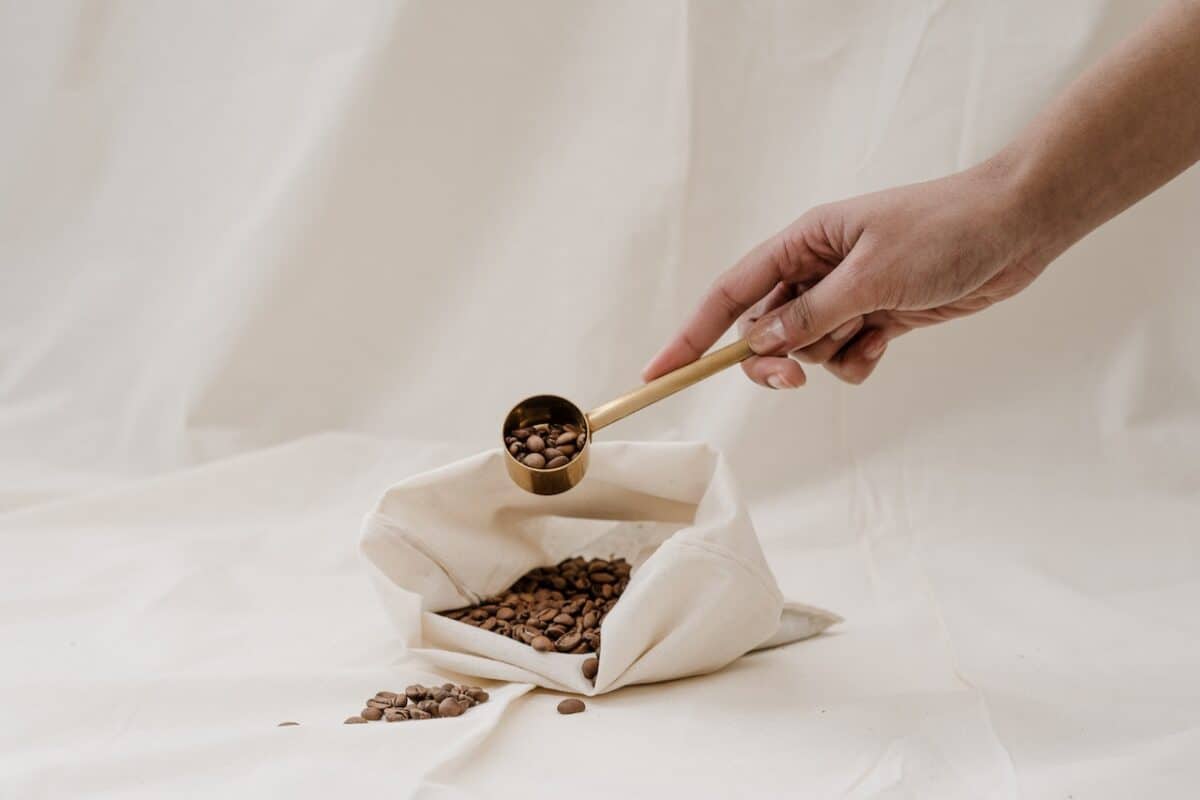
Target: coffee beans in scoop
555,609
546,445
420,702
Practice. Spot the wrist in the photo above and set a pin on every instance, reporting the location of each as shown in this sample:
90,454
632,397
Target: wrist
1032,216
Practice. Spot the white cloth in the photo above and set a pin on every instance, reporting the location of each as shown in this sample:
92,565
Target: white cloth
260,261
701,593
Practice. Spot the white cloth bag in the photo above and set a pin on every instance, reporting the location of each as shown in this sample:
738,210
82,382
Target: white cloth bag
701,593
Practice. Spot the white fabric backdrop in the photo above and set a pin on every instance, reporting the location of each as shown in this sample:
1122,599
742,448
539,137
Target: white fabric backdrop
260,260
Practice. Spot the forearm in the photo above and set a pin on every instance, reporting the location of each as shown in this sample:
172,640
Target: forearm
1127,126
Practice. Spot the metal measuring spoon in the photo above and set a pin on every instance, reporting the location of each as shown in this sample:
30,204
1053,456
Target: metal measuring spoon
552,408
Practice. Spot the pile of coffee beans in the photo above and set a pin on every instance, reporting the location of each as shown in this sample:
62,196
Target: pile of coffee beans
557,608
420,702
546,445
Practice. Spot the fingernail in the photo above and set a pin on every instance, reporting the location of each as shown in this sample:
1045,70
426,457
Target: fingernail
874,348
767,334
847,329
777,382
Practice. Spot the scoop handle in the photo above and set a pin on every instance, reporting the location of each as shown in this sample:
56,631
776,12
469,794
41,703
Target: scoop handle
666,385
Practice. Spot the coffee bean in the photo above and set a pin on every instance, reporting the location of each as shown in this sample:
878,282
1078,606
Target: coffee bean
602,577
542,644
551,453
535,444
376,703
567,437
450,708
555,463
522,433
514,448
505,613
542,426
396,715
428,706
415,692
568,642
571,705
590,667
478,695
437,694
590,619
534,460
566,449
371,713
354,721
286,724
564,619
417,713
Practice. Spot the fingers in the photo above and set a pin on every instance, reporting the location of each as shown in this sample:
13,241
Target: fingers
828,346
855,363
774,372
782,259
833,302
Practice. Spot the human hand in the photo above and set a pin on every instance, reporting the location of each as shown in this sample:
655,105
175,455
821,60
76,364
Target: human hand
843,280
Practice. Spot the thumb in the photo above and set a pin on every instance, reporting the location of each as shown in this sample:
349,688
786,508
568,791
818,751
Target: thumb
837,298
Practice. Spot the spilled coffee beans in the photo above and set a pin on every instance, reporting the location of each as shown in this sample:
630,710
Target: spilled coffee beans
545,445
554,609
571,705
420,702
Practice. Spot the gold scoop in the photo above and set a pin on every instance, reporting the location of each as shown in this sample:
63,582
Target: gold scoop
548,407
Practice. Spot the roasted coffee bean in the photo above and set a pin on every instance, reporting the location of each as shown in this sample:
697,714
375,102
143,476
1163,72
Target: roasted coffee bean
568,642
571,705
602,577
555,463
371,713
551,453
416,692
555,631
286,724
534,460
428,706
567,450
354,721
564,619
377,703
566,437
417,713
535,444
396,715
450,708
542,644
505,613
478,695
522,433
590,667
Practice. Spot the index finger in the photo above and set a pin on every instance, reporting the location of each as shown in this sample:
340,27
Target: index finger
731,295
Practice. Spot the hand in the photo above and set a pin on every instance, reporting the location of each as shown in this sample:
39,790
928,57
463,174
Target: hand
843,280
